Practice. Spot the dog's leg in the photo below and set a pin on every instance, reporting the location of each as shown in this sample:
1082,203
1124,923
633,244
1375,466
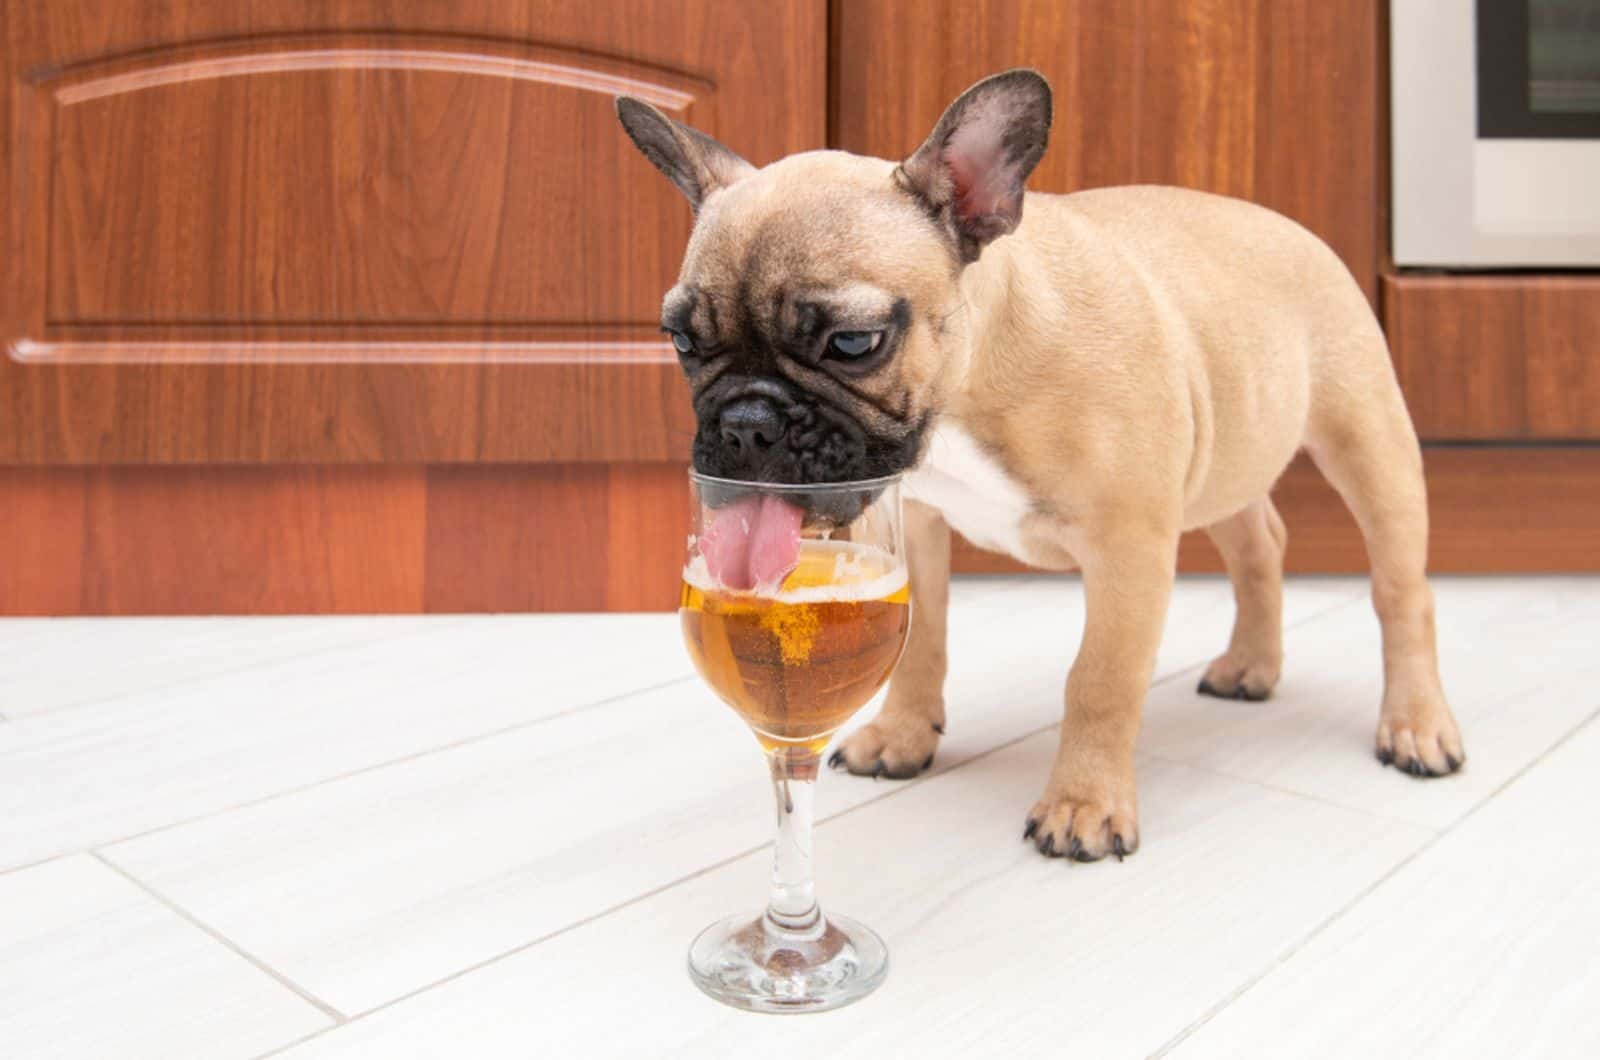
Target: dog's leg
1089,808
1365,445
899,743
1252,543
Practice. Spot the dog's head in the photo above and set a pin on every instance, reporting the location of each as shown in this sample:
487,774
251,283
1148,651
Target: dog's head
818,314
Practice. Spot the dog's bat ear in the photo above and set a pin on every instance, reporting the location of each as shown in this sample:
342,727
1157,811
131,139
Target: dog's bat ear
971,169
693,161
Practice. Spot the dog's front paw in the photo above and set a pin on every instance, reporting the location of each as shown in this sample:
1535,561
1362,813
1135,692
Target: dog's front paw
1420,737
897,746
1083,829
1241,676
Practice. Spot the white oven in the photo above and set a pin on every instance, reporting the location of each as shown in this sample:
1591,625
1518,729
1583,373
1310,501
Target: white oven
1496,132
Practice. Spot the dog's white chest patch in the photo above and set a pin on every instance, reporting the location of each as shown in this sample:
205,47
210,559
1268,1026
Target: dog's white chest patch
976,495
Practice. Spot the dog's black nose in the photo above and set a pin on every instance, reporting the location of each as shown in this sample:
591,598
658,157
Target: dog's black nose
751,426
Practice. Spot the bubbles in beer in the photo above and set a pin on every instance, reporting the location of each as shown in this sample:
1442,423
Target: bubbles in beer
798,662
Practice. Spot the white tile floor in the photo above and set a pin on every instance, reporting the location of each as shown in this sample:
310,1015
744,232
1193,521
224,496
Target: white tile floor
494,836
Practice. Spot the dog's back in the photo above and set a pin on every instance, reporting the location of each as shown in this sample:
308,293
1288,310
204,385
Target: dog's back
1256,313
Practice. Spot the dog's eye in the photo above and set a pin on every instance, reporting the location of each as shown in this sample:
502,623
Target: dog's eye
849,345
681,342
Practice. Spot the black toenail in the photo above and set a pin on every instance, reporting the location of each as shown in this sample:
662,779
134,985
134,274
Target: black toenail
836,760
1452,761
926,762
879,770
938,727
1074,849
1048,847
1386,755
1032,827
1118,847
1205,688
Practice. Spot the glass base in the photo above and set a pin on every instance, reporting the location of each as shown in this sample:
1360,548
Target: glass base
750,963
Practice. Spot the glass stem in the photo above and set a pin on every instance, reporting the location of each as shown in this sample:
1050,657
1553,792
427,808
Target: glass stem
793,908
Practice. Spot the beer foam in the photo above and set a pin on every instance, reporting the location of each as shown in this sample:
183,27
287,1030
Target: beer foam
852,565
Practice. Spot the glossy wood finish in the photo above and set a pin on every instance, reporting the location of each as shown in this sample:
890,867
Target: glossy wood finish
556,538
591,537
1274,102
1496,357
341,540
196,541
302,234
364,232
1492,510
373,179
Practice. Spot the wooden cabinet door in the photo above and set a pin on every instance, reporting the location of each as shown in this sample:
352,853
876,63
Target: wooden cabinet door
1276,101
362,231
386,256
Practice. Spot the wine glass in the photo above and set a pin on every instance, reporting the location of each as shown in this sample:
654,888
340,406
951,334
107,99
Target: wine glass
795,607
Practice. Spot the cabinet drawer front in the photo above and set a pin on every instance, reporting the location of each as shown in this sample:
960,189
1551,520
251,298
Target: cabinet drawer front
1497,357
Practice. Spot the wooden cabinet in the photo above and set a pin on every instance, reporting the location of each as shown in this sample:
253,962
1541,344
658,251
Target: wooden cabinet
354,306
1491,358
1274,102
362,231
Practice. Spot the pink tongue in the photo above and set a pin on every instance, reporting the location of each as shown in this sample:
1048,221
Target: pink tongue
751,543
775,545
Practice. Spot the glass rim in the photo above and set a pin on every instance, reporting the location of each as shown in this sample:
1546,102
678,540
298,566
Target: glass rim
851,486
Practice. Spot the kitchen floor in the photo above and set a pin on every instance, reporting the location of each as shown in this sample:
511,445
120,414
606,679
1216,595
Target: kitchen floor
494,836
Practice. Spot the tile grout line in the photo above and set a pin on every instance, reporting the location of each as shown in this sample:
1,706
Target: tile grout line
41,861
521,947
1312,797
1227,1002
326,1009
563,714
461,620
888,793
386,763
313,653
1307,796
986,586
897,788
568,712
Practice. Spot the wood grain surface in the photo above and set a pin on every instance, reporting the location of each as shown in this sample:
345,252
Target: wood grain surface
1274,102
593,537
196,541
364,232
341,540
1498,357
345,308
556,538
1493,510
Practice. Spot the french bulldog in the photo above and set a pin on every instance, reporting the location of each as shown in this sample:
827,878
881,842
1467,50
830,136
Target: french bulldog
1075,386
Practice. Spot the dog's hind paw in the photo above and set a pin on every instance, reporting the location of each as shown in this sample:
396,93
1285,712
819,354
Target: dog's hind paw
1422,750
1231,677
897,746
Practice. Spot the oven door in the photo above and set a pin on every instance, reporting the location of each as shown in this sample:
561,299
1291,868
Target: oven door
1496,132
